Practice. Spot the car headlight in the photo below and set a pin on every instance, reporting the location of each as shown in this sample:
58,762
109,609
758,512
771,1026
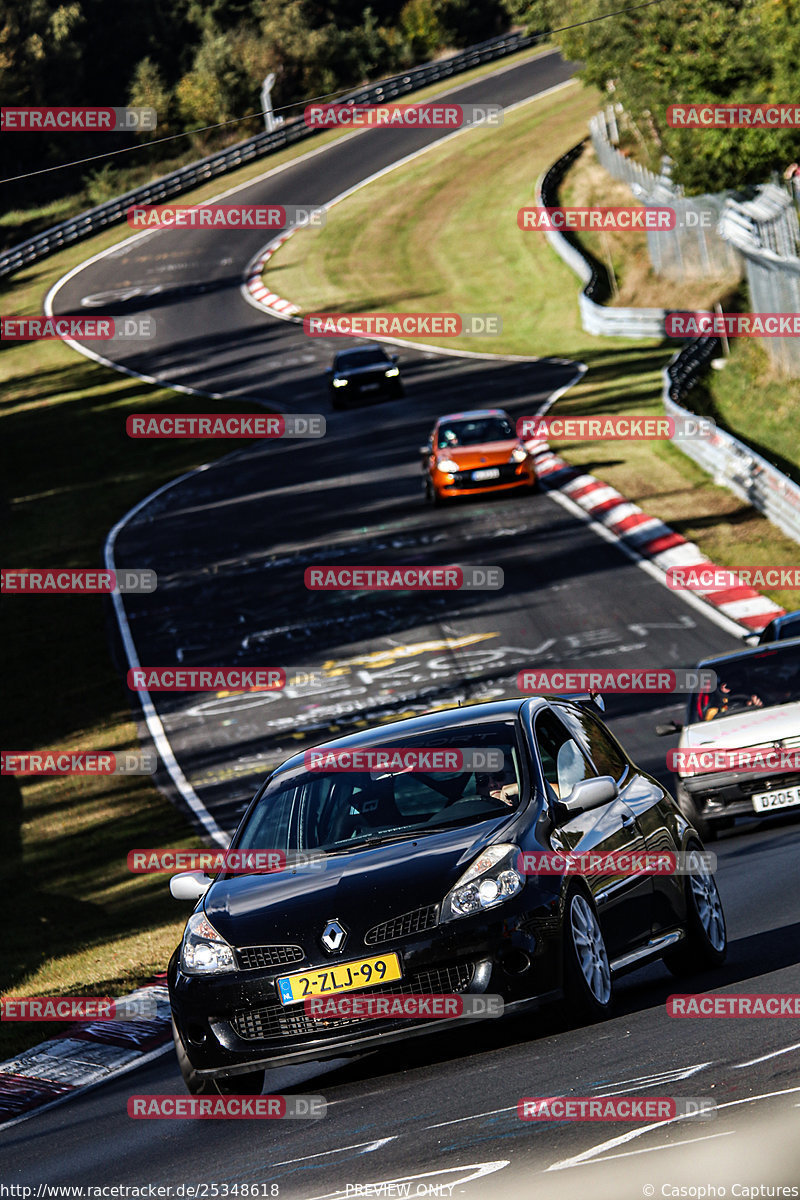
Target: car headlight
392,371
203,951
518,455
447,465
491,880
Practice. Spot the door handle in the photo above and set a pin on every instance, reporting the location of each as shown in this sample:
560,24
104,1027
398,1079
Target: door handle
628,820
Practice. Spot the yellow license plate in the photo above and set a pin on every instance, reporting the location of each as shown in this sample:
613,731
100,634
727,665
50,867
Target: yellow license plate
343,977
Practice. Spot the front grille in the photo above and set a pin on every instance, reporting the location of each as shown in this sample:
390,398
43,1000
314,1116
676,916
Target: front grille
253,957
508,474
275,1021
410,922
373,377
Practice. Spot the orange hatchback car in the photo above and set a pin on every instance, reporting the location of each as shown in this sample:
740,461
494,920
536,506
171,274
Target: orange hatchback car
470,453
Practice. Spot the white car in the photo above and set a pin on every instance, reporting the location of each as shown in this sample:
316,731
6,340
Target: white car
756,710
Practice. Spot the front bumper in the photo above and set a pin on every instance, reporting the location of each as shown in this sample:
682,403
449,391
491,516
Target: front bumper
512,476
235,1023
730,793
366,389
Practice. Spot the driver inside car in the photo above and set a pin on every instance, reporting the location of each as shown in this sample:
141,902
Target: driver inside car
720,701
498,785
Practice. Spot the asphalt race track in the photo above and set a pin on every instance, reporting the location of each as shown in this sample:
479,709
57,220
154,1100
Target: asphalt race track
230,545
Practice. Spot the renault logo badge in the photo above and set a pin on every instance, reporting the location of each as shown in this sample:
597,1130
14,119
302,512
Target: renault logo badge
334,937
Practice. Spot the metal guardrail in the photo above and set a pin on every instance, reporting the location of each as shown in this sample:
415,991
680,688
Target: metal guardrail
597,317
694,249
731,463
112,211
765,232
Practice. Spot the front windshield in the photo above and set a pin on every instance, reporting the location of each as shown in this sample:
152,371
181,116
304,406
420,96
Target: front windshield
361,358
331,810
761,680
475,432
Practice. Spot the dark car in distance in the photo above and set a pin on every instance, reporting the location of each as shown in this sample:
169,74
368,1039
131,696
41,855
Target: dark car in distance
421,887
786,626
363,372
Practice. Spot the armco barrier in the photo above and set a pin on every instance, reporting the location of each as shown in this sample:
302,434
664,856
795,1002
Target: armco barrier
596,316
731,463
262,144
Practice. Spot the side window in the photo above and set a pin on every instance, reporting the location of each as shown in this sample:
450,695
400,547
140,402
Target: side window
563,762
603,749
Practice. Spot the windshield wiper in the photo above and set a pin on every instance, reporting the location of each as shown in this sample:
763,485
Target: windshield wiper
400,835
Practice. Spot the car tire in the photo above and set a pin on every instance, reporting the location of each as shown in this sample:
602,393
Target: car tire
587,973
706,941
687,805
251,1084
432,497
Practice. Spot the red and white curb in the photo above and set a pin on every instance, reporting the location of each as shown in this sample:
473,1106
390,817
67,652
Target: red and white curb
255,284
83,1056
648,537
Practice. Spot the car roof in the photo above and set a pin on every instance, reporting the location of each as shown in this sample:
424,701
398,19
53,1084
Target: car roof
430,722
474,412
752,652
789,618
365,346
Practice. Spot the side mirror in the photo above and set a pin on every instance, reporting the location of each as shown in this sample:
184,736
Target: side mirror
329,370
424,452
189,885
589,794
668,728
394,357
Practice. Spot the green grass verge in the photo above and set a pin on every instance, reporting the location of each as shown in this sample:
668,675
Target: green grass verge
440,234
753,401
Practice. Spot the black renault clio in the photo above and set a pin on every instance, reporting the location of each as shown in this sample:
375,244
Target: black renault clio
422,891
